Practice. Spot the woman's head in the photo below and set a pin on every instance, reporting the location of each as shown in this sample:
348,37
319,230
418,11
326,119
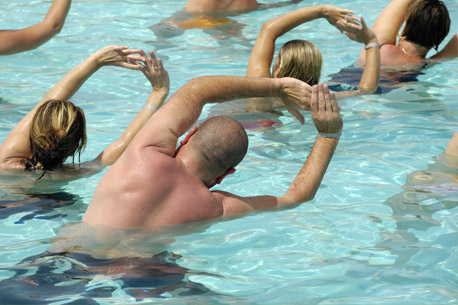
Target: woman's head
299,59
427,23
58,131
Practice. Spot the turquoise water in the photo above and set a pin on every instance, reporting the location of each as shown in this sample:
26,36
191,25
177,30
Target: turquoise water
374,233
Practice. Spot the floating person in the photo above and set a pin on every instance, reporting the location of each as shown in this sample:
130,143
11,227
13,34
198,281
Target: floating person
55,129
15,41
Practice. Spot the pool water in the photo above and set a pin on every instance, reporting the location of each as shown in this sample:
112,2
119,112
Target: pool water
382,228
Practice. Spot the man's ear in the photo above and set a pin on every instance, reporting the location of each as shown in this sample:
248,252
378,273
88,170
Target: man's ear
228,172
188,136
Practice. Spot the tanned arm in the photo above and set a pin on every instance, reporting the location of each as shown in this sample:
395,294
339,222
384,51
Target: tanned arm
15,41
328,121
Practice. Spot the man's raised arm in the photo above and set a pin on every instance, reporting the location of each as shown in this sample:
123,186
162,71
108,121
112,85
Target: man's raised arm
328,122
183,109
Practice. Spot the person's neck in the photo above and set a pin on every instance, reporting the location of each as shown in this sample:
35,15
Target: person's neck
412,50
194,164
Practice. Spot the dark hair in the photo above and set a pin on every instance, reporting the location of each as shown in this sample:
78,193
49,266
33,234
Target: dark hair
427,23
222,142
58,131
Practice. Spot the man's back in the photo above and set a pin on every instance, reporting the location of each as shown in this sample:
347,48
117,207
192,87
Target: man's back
219,5
148,188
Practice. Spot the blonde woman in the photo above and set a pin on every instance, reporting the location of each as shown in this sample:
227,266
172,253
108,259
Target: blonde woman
301,59
55,128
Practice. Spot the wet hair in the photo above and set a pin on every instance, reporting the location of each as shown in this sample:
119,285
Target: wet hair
300,59
58,131
427,23
222,142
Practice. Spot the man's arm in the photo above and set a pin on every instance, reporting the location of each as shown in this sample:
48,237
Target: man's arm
155,72
183,109
15,41
17,144
264,48
328,121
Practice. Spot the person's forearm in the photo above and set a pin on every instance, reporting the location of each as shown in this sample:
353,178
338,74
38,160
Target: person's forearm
284,23
308,180
189,100
215,89
71,82
371,75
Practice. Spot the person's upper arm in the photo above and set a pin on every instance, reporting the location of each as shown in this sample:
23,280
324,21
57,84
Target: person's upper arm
388,23
171,121
16,146
262,53
449,51
236,205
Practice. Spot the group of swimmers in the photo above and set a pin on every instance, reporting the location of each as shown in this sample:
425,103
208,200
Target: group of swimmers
153,183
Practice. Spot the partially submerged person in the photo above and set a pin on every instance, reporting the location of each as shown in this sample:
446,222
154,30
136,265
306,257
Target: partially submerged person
426,24
55,129
206,6
426,192
15,41
155,184
212,17
301,59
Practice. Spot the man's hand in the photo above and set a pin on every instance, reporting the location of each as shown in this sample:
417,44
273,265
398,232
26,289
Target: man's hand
154,71
325,110
295,94
357,32
120,56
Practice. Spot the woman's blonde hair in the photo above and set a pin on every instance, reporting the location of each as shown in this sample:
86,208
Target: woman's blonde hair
58,131
300,59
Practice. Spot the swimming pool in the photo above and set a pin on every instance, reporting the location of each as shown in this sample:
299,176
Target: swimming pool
368,236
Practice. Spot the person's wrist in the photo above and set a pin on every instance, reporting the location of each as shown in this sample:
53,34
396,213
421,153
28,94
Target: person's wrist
324,10
96,59
335,134
279,84
371,42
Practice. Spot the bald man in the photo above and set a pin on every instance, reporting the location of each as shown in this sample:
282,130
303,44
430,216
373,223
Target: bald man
154,184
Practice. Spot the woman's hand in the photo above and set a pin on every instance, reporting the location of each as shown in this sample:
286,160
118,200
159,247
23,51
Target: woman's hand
154,71
355,31
120,56
334,14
